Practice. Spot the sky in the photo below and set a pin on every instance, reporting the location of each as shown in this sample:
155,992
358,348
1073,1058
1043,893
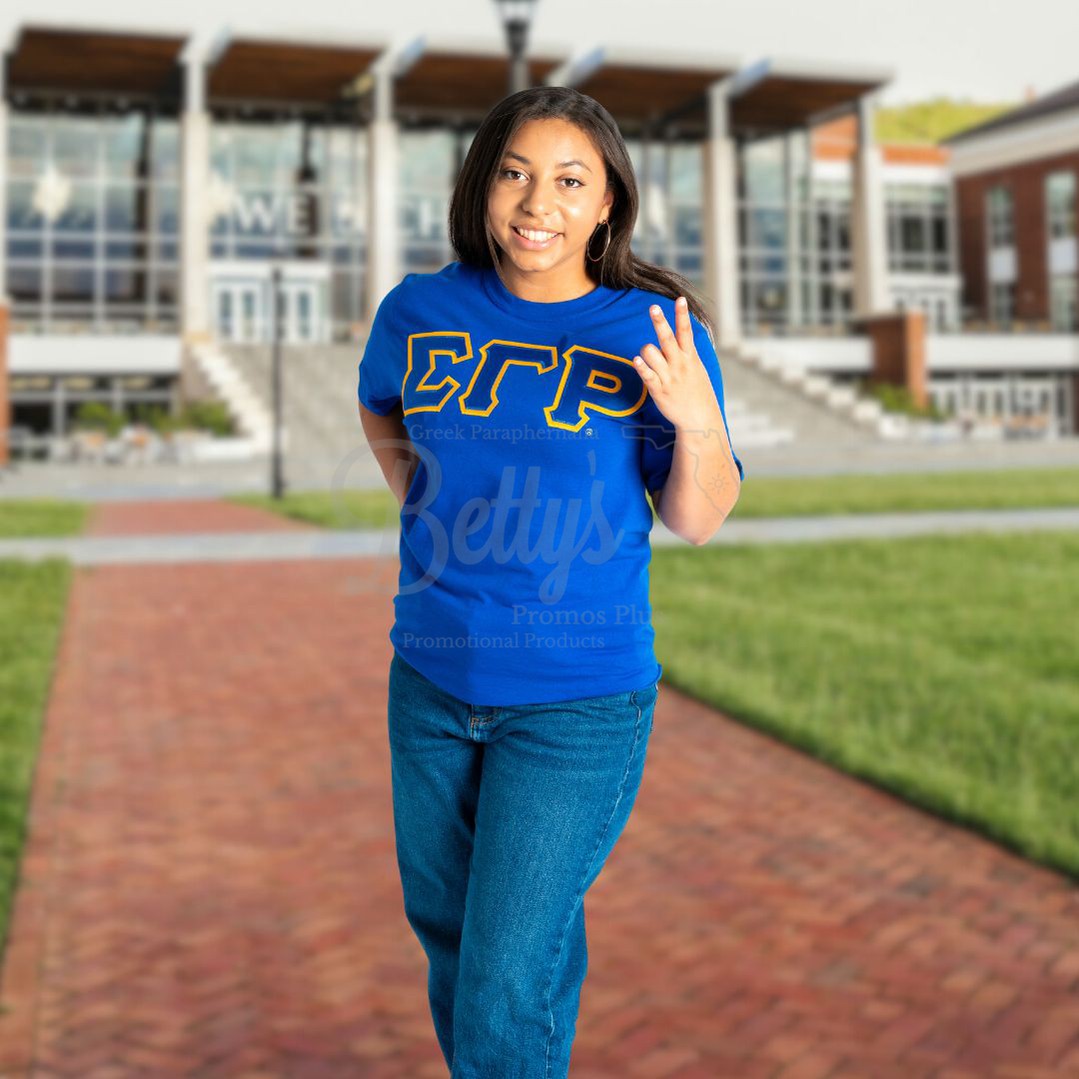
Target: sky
969,49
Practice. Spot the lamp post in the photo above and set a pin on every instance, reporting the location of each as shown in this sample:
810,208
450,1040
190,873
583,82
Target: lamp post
516,19
277,481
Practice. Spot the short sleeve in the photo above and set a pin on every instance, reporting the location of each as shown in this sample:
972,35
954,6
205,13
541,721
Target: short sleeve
382,366
657,452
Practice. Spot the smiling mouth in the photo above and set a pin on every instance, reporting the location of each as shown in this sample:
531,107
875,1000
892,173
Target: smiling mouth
539,235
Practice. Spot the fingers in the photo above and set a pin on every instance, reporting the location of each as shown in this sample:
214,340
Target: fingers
662,328
652,365
683,327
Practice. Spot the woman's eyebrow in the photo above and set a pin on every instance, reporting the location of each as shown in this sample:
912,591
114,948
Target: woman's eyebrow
560,165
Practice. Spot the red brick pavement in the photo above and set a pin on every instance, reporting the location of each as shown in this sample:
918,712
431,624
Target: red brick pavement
210,886
183,515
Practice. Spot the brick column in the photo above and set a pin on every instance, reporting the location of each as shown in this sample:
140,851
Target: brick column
899,351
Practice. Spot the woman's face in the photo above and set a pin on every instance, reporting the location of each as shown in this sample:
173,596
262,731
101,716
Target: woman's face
553,180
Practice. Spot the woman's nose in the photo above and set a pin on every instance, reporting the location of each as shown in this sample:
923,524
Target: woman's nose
534,202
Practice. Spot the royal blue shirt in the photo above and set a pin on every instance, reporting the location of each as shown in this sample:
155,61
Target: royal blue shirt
524,539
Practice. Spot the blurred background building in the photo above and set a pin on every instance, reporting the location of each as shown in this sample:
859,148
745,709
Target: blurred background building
151,183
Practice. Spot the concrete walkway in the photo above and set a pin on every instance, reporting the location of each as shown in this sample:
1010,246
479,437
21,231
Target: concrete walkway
358,469
209,887
138,543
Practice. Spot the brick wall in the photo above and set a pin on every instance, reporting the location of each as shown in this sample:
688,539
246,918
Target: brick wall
899,351
1027,184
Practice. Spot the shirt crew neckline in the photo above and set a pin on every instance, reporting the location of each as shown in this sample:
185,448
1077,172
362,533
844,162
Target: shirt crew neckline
539,311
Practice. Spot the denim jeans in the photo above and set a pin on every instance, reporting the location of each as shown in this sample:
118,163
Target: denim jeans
503,818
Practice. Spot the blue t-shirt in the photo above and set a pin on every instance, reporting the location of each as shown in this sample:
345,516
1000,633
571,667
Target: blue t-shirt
524,537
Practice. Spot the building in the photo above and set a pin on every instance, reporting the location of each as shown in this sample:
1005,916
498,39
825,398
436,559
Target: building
152,185
1016,194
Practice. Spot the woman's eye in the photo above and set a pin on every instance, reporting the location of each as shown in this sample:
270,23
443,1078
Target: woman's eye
517,172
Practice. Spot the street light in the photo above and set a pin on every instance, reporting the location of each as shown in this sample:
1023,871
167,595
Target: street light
277,482
517,18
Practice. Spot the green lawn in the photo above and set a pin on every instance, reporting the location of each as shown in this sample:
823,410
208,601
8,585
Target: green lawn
41,517
941,668
33,596
770,496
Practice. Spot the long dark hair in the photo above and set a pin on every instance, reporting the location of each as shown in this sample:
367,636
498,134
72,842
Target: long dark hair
620,267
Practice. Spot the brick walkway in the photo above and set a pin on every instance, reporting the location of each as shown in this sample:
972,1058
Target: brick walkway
210,887
168,517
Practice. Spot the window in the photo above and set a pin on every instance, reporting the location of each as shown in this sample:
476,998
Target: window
1060,205
1000,302
1060,249
93,232
999,213
1063,303
918,228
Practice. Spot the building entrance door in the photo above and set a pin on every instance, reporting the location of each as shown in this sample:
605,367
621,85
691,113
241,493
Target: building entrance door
239,312
242,302
299,301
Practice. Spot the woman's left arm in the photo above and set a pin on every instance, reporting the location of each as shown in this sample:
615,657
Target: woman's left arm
704,483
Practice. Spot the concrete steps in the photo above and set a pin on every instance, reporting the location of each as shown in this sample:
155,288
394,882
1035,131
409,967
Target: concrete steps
767,406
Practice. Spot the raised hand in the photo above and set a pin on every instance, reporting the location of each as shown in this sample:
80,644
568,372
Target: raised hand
674,375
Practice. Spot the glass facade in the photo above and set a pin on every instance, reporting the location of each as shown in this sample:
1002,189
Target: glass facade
794,238
93,222
919,233
289,190
428,163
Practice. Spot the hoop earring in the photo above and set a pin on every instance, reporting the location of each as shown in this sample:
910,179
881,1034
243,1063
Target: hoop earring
588,245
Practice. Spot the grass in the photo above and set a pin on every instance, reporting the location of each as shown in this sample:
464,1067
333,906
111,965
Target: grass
902,492
942,668
769,496
33,597
21,517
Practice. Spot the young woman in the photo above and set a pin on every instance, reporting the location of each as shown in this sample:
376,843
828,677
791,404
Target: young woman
520,402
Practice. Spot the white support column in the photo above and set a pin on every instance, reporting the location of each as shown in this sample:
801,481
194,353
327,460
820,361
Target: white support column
793,207
194,201
813,311
383,238
721,273
869,236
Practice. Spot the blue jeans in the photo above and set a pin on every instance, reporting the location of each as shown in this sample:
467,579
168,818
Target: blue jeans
503,818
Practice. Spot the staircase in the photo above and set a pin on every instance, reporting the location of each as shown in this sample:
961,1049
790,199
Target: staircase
239,392
819,410
767,405
325,443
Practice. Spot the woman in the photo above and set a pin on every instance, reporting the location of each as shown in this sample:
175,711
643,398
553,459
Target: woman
520,402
